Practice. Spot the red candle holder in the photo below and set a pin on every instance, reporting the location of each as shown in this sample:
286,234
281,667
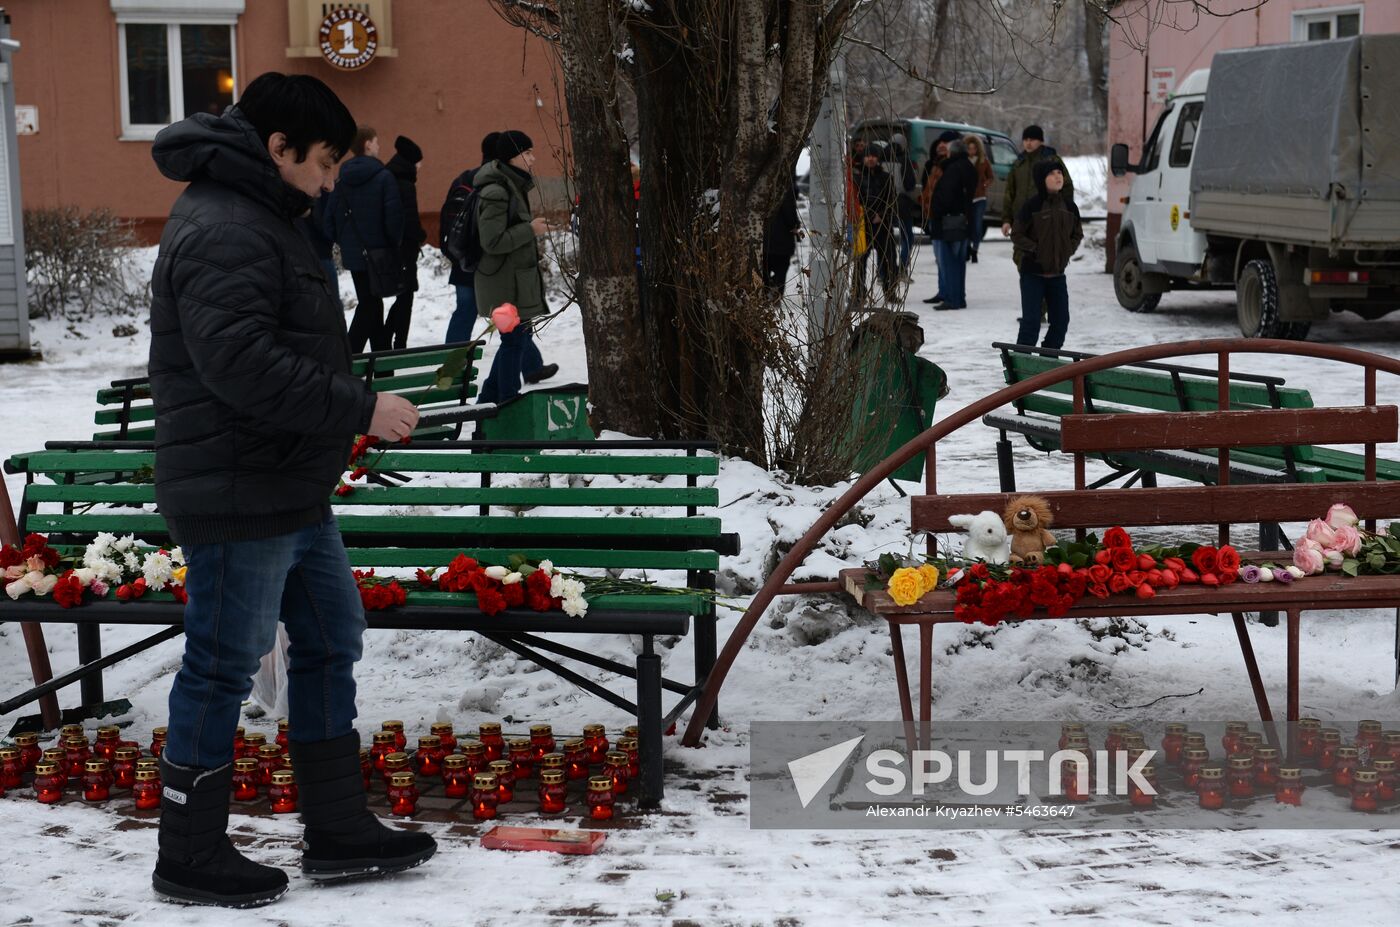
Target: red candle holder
48,782
1249,742
504,771
1266,767
600,798
1137,796
615,765
631,730
400,739
628,745
1114,741
553,792
146,791
283,732
403,795
1328,739
1070,730
595,739
1072,788
269,761
1390,745
541,740
77,752
1368,733
109,738
253,744
29,750
456,780
553,761
124,767
1241,779
58,758
1192,740
490,735
11,771
245,779
427,759
1173,743
485,796
1385,777
97,780
1210,787
282,792
395,763
575,759
1364,790
382,746
1344,766
442,730
475,752
238,742
158,740
366,767
70,730
1230,743
1194,760
1289,790
1309,737
522,757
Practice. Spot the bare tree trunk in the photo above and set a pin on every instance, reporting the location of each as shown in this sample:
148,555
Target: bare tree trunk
1096,54
937,43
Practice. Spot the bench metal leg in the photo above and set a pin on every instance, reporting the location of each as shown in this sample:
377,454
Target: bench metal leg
1294,624
1251,665
901,678
650,788
1006,465
926,686
89,651
1269,535
1149,479
705,649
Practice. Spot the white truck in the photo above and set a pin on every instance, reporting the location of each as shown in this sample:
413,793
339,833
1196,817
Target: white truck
1275,172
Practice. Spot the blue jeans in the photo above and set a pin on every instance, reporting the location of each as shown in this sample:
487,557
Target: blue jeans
952,271
979,227
517,355
906,242
333,278
459,327
237,593
1054,293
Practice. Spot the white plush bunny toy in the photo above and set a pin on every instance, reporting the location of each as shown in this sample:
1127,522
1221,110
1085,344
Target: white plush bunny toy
986,536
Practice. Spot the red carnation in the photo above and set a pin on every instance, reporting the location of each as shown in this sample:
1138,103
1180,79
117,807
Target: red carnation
424,578
344,490
514,595
1043,594
490,601
1227,558
68,592
539,601
179,593
539,581
1205,559
1123,558
979,571
10,556
1117,537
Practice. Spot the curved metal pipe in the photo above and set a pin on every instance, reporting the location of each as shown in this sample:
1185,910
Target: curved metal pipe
970,413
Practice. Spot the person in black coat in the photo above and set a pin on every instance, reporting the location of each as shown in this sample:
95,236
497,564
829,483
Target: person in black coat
256,410
363,212
459,327
879,201
780,240
404,168
950,219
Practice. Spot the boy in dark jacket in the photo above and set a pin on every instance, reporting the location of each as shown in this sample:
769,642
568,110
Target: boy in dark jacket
1046,233
365,212
403,166
255,413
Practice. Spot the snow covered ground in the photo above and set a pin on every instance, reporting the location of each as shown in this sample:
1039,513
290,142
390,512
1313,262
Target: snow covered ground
698,862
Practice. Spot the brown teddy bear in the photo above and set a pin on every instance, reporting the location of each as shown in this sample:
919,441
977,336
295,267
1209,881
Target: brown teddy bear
1026,519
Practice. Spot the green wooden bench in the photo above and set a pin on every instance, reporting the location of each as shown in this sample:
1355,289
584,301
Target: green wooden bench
125,412
642,508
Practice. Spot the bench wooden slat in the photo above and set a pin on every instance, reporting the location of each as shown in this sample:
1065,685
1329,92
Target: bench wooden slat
414,557
465,525
1175,505
410,387
413,358
1194,430
144,493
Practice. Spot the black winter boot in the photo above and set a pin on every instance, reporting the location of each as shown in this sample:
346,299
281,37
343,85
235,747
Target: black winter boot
197,863
343,837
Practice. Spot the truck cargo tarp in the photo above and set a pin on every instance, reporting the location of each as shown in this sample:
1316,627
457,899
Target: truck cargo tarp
1293,120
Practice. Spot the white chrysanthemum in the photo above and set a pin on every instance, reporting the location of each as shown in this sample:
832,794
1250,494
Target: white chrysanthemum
131,562
547,566
100,548
104,569
575,606
125,543
156,569
85,575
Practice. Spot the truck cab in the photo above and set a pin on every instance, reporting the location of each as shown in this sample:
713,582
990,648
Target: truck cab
1156,243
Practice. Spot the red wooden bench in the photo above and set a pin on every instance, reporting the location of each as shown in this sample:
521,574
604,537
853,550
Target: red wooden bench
1083,508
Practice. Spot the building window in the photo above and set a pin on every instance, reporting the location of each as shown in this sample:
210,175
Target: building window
1321,25
173,70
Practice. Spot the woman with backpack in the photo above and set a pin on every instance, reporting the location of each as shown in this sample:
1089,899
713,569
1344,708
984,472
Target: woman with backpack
509,268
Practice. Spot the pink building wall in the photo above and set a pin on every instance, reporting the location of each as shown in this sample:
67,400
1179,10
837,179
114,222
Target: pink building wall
1154,36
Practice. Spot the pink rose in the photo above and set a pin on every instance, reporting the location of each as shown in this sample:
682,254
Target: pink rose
1341,514
44,584
1348,540
1334,558
1322,533
505,317
1308,557
15,572
35,564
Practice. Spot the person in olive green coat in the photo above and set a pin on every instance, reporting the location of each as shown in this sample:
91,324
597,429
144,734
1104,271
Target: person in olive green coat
509,269
1020,183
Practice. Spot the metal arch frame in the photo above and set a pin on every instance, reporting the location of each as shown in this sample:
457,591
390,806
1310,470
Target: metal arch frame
1222,348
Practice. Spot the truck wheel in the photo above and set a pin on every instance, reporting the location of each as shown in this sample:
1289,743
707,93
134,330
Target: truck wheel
1256,302
1295,331
1128,283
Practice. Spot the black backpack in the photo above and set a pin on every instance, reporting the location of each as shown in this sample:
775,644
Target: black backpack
458,237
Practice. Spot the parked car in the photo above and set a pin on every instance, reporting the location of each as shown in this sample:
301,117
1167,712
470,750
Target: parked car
1300,224
920,133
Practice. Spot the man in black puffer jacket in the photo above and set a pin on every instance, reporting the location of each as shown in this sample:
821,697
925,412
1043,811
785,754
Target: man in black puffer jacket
256,411
404,168
950,217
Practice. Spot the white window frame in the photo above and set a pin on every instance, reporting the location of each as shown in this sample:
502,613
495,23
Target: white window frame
172,20
1304,18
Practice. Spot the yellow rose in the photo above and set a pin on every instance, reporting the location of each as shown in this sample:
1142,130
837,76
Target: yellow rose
929,573
906,586
177,575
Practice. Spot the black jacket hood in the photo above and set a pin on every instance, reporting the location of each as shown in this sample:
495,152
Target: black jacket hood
226,150
359,170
